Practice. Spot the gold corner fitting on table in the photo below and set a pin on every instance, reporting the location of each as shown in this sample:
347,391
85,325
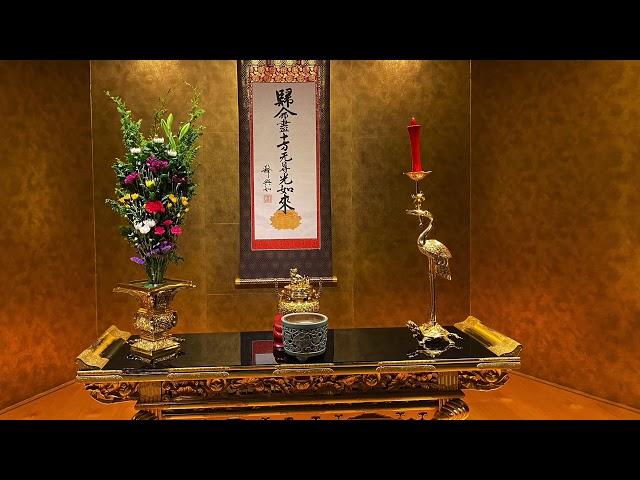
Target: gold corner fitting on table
91,357
495,341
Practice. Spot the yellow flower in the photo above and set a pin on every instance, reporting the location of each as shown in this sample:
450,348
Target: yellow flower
173,198
127,197
169,205
184,201
149,183
186,209
121,199
134,196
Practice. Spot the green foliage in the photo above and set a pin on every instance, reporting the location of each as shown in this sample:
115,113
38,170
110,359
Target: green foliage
131,130
159,113
190,131
158,170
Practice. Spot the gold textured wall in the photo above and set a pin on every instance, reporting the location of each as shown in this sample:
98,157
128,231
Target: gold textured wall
48,311
555,227
380,272
546,253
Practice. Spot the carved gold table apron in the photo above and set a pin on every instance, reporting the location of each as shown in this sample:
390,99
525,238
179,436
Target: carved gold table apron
365,373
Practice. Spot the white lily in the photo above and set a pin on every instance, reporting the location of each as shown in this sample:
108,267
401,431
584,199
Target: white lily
158,140
172,153
135,150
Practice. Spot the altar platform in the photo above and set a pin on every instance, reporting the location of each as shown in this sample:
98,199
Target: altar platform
364,373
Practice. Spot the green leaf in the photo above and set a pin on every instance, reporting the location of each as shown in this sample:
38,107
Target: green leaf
184,130
165,127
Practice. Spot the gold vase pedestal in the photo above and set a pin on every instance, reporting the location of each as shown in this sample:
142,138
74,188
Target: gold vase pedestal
154,318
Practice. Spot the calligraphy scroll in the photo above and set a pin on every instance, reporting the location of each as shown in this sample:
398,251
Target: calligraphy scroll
285,198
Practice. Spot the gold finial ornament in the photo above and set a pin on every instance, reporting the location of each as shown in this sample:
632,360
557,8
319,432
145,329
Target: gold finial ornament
299,295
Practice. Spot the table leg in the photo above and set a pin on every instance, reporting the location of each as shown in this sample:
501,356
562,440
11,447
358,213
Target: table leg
145,415
149,392
452,409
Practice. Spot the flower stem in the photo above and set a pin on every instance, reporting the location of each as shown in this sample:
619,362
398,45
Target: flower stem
156,266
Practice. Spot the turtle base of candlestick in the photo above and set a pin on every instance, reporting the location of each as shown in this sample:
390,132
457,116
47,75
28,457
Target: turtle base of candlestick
433,339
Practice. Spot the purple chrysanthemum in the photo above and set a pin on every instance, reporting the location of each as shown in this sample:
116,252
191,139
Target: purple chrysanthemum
137,260
132,177
156,165
176,179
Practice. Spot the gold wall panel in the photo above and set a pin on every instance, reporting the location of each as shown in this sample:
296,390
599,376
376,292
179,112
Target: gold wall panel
374,254
555,228
47,256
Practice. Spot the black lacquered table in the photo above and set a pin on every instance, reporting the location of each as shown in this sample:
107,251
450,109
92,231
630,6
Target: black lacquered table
364,373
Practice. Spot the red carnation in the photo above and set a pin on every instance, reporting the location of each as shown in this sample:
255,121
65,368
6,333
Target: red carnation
176,230
167,222
154,207
159,231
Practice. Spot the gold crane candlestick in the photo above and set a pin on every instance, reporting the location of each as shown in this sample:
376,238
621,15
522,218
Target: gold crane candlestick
432,337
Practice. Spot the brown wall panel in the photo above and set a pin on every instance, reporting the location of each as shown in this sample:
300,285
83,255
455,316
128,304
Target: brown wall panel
555,262
48,312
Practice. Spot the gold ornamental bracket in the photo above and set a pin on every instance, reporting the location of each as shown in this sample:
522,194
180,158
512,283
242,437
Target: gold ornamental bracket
494,341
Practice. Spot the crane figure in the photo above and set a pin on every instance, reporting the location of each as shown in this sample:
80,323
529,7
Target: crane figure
438,256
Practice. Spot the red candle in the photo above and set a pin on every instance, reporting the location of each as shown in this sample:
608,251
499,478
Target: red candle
414,137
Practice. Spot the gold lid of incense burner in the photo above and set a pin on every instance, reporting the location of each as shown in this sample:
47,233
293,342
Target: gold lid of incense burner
299,295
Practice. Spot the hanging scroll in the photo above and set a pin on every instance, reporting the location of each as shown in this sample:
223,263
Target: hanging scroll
285,198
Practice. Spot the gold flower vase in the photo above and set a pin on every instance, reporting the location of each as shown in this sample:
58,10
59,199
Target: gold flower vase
155,317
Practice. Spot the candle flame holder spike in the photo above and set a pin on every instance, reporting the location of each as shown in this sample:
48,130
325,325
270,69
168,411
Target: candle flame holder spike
432,337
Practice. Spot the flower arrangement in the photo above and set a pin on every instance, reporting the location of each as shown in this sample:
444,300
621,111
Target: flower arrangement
155,184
